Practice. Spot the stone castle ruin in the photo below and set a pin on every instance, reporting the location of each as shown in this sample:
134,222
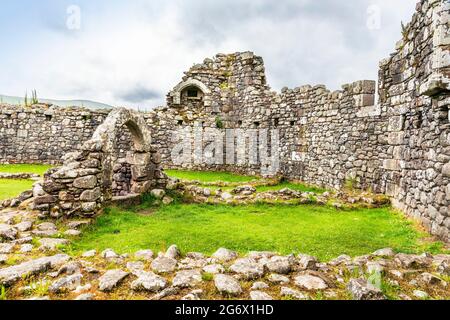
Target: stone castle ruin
102,170
399,145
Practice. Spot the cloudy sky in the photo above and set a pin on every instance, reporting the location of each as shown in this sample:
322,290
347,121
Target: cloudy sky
131,53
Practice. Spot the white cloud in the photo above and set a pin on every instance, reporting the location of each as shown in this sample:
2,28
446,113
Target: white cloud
141,49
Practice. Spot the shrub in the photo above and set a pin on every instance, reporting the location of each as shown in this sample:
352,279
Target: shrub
207,277
219,123
350,184
2,293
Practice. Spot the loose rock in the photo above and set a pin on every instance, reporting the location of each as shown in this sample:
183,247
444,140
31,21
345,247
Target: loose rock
68,283
89,254
260,296
109,254
10,275
214,269
248,268
278,279
164,265
148,281
260,286
144,255
173,252
111,279
309,282
7,232
6,248
227,285
360,289
281,265
187,279
307,262
50,244
288,292
387,252
420,294
225,255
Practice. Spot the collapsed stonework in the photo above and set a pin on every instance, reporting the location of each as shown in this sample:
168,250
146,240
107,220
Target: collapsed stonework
92,176
399,146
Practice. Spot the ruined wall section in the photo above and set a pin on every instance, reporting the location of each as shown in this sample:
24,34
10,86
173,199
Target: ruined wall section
414,94
325,137
331,138
400,147
235,90
42,134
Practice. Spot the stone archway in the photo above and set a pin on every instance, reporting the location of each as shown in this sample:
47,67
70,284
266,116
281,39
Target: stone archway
176,92
137,163
86,180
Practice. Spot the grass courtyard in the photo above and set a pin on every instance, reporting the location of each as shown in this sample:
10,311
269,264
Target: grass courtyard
206,177
39,169
323,231
317,230
10,188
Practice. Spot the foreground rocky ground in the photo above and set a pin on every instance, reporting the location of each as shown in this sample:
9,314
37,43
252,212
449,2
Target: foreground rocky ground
36,263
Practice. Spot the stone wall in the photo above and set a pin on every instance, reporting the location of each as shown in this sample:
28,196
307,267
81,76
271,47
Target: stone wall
92,176
400,146
414,96
326,138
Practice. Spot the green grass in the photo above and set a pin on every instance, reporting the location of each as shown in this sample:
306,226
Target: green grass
293,186
206,178
318,230
209,176
24,168
12,188
278,187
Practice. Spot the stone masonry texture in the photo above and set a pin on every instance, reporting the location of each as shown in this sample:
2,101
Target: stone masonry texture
395,141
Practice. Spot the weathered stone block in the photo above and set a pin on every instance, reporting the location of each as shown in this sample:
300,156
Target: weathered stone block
91,163
139,172
156,158
364,100
87,182
141,187
89,206
396,123
396,138
47,199
394,165
139,159
91,195
446,170
52,186
65,196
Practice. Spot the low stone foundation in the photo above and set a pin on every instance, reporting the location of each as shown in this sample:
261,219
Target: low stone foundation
397,145
29,248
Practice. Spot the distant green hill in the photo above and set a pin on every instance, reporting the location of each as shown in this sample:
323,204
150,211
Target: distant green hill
61,103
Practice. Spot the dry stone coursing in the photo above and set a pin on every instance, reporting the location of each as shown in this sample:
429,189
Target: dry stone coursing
93,176
399,146
44,134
